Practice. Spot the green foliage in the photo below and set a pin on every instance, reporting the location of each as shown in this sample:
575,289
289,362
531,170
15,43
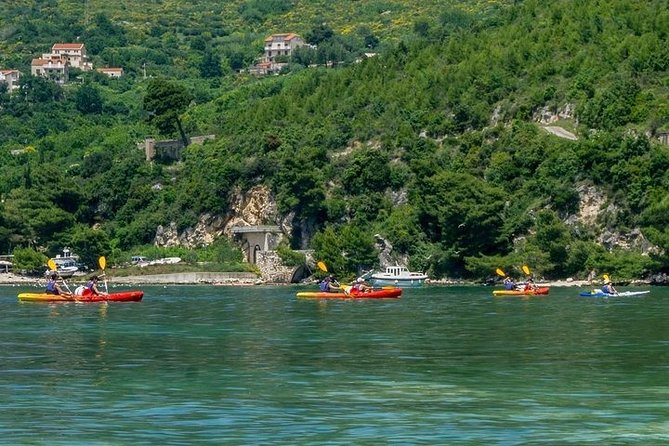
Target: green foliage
551,238
88,99
402,229
210,65
369,171
346,250
300,183
221,251
29,260
441,120
90,245
460,211
290,257
222,255
164,102
612,107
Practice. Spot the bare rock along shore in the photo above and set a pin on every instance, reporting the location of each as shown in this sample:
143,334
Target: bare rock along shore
207,278
233,279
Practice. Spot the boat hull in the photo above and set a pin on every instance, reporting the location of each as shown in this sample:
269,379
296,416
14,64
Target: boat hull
622,294
399,282
391,293
536,292
124,296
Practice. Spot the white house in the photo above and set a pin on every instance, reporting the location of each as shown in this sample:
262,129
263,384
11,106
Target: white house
281,45
276,45
54,69
11,78
113,72
73,53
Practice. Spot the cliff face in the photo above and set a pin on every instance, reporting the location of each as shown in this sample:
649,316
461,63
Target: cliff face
594,210
256,206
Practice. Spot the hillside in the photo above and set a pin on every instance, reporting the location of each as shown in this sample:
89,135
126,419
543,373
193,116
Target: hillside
434,143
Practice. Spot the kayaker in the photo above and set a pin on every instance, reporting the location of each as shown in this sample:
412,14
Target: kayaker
608,288
328,284
529,284
360,286
92,286
52,286
509,284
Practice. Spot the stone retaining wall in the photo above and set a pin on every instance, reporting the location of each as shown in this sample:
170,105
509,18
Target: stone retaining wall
231,278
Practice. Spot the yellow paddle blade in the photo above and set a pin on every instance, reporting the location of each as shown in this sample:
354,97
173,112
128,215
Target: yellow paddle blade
102,262
322,267
51,264
606,278
500,272
526,270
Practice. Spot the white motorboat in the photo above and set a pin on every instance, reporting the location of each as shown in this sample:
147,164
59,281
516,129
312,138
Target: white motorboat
399,276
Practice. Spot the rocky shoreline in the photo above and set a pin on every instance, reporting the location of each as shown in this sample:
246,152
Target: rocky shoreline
245,279
202,278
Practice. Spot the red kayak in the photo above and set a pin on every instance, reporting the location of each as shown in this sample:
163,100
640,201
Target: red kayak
124,296
532,292
386,293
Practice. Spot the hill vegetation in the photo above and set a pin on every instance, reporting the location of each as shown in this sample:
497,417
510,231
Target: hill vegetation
433,143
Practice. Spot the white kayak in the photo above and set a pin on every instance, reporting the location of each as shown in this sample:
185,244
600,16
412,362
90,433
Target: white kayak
621,294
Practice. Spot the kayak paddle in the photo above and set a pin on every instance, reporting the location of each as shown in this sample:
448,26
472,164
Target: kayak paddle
103,263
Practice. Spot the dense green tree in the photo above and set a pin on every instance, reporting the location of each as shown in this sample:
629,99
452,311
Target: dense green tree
103,34
461,211
319,34
164,102
29,260
368,171
347,250
39,90
88,99
402,229
210,65
90,244
553,238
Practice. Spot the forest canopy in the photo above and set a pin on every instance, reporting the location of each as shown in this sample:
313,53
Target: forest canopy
423,124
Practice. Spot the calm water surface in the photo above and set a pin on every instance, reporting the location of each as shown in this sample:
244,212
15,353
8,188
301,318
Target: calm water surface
238,366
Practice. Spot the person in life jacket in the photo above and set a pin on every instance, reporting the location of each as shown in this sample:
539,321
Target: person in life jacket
328,284
608,288
91,287
509,284
530,285
360,286
52,286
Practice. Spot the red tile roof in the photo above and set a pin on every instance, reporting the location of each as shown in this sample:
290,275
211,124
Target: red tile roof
67,46
37,62
284,36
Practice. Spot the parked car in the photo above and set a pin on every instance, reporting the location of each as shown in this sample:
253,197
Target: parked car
136,260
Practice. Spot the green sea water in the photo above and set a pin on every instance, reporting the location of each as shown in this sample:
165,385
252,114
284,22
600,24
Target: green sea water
257,366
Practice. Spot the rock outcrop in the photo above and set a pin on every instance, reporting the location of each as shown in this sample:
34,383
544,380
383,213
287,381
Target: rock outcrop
254,207
386,256
594,207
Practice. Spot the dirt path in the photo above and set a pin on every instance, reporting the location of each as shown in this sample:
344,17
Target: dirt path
559,131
